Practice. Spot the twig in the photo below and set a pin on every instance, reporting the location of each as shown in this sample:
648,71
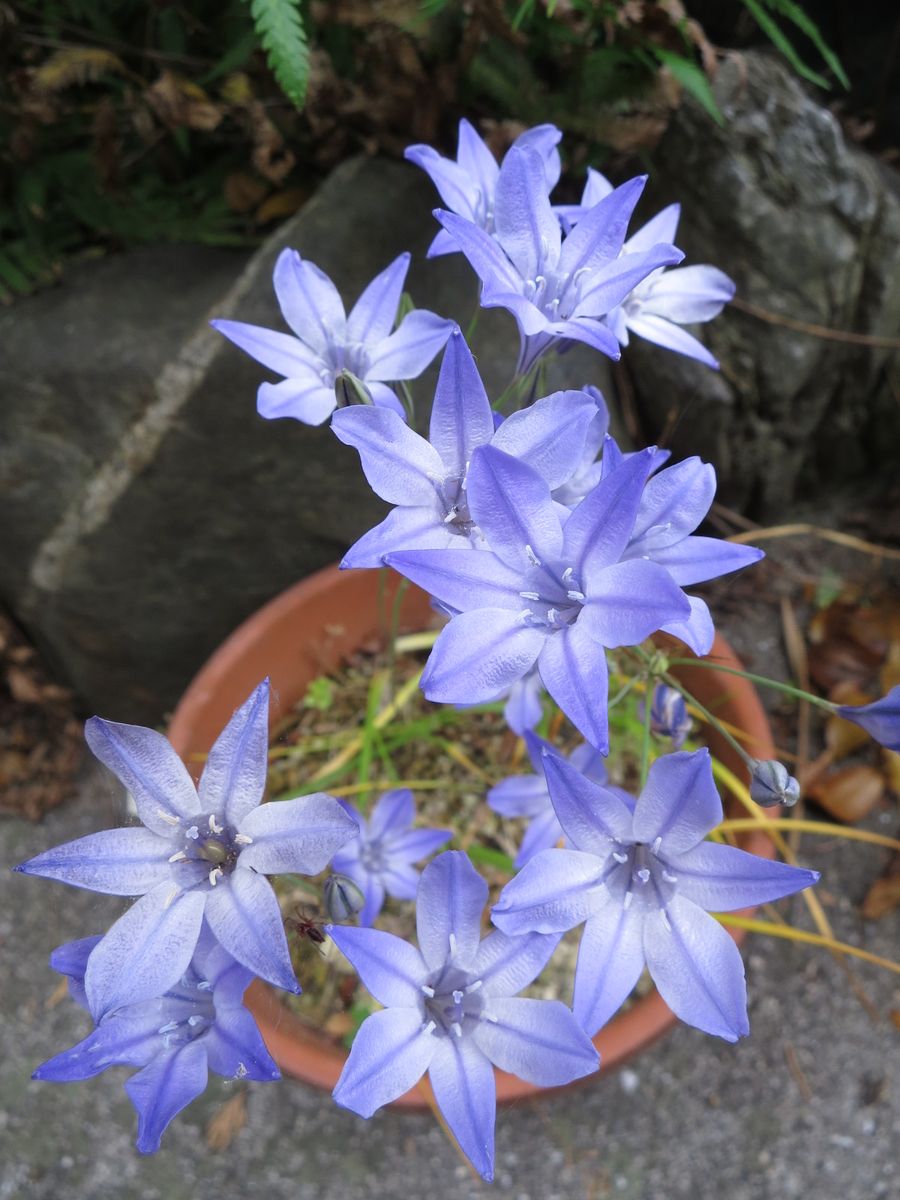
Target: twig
820,331
802,529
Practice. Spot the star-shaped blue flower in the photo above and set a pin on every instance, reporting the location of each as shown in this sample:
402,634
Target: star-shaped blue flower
379,860
328,345
201,852
642,880
880,719
449,1009
199,1025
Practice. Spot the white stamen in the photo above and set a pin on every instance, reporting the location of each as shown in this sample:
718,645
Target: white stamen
456,1029
629,896
525,615
620,857
214,828
643,874
574,594
427,991
457,997
195,1020
656,845
179,856
669,877
665,920
489,1017
581,271
204,985
193,832
530,595
176,891
532,557
241,1071
453,943
474,986
451,516
567,574
215,875
429,1028
173,820
168,1028
241,839
552,615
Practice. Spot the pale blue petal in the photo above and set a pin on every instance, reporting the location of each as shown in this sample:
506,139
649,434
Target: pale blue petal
630,600
373,898
544,139
573,667
555,891
452,896
507,964
401,466
309,302
599,528
600,234
463,1082
688,294
308,400
537,1040
611,284
511,504
671,337
243,913
453,182
485,256
520,796
679,803
479,654
524,706
390,1054
588,329
234,777
524,222
299,835
280,352
476,159
549,435
418,844
592,817
146,951
661,228
610,961
673,504
402,529
461,417
399,878
163,1088
543,833
119,862
392,813
156,778
235,1048
418,339
372,316
469,579
697,631
385,397
723,878
697,969
697,559
391,969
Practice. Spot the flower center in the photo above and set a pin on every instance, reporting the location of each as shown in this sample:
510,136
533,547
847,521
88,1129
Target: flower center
641,877
209,851
190,1010
554,597
452,1001
457,518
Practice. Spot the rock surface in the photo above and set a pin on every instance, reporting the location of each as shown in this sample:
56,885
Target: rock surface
809,227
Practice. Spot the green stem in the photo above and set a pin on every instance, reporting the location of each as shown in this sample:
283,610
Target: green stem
711,718
762,680
645,739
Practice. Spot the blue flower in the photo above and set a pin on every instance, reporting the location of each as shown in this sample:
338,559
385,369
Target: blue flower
642,880
201,852
546,593
669,716
379,860
328,345
880,719
558,291
427,480
449,1010
199,1025
659,305
528,795
467,186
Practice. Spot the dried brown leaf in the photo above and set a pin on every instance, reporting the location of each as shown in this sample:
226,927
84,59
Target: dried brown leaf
227,1122
243,191
22,685
890,762
884,894
76,65
181,104
280,205
849,794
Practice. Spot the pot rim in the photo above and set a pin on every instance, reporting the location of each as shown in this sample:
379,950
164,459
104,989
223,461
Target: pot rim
338,610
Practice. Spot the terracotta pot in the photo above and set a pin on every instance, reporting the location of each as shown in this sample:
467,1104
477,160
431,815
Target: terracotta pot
307,632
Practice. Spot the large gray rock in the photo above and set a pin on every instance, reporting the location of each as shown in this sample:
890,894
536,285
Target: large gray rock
146,508
809,227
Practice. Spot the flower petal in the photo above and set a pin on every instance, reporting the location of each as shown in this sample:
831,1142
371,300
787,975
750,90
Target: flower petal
469,579
234,777
157,779
476,159
543,833
679,803
697,559
697,968
689,294
453,182
524,223
463,1082
610,961
592,817
163,1088
600,527
574,671
119,862
146,951
697,631
235,1048
671,337
674,503
372,316
451,900
661,228
600,233
413,528
280,352
485,256
549,435
393,812
519,796
461,417
723,878
308,400
419,338
390,1054
418,844
479,654
244,916
555,891
630,600
295,835
613,283
309,302
511,504
401,466
538,1040
507,964
391,969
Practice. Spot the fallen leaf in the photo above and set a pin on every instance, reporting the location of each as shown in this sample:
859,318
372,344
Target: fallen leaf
179,103
280,205
243,192
884,894
890,761
227,1122
849,794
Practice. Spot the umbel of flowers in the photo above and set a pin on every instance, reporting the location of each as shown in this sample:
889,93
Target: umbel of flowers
545,546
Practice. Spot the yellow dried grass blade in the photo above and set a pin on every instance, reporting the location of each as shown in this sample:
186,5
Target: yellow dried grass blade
800,935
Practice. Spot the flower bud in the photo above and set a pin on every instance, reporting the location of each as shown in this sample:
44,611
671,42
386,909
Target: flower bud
343,899
771,785
669,715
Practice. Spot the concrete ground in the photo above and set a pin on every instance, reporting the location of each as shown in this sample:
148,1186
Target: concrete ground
808,1106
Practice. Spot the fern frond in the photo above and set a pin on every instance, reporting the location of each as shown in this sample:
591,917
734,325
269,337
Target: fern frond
279,26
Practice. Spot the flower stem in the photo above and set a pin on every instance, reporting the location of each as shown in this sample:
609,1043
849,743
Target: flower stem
762,680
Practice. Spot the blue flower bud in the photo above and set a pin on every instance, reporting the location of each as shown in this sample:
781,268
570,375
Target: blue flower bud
343,899
669,715
771,785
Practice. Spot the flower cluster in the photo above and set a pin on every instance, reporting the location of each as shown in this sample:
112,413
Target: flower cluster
547,548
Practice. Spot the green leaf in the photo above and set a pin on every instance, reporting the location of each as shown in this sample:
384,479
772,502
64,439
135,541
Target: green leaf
280,29
319,694
782,43
692,79
793,12
491,858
